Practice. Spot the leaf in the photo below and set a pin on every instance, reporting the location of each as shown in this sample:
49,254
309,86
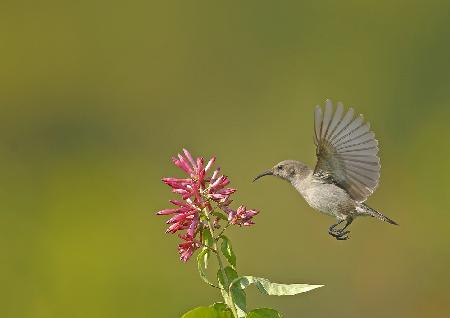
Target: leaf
220,306
240,300
268,288
227,251
224,283
206,240
223,309
207,312
265,287
201,271
230,274
264,313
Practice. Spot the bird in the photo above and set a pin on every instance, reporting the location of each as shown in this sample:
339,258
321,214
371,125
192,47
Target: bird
346,173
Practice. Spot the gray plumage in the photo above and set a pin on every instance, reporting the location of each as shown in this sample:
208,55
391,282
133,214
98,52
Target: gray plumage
347,169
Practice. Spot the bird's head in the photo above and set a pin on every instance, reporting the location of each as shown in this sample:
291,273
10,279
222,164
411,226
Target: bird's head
287,170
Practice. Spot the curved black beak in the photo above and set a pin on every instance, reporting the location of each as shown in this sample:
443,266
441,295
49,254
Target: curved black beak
265,173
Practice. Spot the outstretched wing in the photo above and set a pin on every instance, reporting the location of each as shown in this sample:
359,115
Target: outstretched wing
346,151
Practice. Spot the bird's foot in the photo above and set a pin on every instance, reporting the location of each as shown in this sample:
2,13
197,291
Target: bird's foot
340,234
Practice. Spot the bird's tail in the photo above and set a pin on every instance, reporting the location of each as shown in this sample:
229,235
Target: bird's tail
368,210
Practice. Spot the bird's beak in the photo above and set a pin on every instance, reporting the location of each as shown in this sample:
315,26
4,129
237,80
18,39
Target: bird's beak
265,173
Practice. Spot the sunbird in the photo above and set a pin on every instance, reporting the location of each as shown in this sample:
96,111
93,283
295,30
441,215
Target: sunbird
347,169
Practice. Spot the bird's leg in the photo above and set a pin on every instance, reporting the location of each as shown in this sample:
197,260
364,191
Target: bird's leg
340,234
348,221
336,233
331,229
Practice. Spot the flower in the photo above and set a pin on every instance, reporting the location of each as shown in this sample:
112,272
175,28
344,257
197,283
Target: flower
188,247
241,216
199,192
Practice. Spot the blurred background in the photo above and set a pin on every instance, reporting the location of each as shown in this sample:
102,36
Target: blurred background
96,96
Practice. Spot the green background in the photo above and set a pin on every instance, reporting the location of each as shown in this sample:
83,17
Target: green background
96,96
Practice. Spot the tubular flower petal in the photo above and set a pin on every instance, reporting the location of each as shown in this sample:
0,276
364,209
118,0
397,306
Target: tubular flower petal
191,160
167,211
215,174
178,203
185,164
182,165
210,163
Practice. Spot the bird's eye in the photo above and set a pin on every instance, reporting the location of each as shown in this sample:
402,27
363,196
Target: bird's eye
280,167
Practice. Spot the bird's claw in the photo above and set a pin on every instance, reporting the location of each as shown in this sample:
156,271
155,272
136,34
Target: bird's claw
342,236
339,235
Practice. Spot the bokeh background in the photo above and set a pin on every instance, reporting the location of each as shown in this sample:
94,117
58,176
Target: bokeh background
96,96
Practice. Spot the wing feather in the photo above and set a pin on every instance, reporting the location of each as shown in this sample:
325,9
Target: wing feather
348,131
342,124
347,151
326,118
364,138
360,152
361,130
317,124
336,119
372,175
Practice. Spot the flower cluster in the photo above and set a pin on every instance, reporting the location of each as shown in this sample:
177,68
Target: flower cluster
242,216
200,195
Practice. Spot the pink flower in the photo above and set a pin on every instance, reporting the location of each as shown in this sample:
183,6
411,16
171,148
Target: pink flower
198,192
186,216
241,216
188,247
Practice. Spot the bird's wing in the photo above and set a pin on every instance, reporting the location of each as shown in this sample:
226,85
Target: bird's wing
346,151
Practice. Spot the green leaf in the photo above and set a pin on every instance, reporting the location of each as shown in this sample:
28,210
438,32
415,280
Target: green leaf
240,300
239,296
201,271
207,312
268,288
264,313
220,306
227,251
265,287
223,309
230,274
206,240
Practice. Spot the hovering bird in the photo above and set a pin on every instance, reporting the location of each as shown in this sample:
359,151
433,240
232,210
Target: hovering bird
347,169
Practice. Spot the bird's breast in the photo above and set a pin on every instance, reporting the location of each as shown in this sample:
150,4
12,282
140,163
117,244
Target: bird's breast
325,197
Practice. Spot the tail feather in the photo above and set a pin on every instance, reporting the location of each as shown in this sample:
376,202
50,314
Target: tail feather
372,212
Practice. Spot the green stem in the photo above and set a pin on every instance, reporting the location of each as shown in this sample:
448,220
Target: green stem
219,260
212,249
223,230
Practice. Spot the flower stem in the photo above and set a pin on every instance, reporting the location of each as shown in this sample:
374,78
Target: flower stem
221,232
219,260
212,249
